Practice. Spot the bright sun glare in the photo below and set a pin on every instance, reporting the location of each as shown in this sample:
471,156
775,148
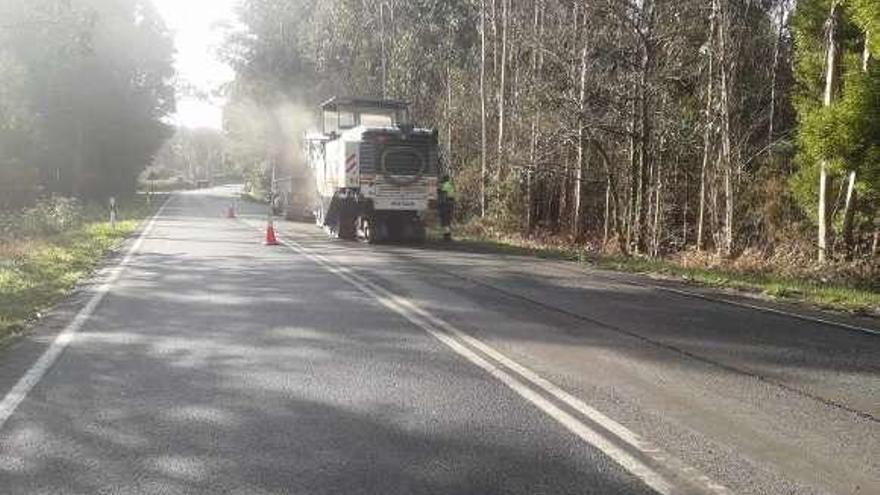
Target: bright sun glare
197,35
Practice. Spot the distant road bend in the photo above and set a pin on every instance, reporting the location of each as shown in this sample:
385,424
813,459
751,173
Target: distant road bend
201,361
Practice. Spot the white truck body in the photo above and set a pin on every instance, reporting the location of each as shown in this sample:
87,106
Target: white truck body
376,177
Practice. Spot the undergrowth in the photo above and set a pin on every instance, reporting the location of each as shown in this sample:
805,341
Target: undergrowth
47,249
786,274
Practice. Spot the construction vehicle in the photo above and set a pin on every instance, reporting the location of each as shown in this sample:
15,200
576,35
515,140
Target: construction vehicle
376,173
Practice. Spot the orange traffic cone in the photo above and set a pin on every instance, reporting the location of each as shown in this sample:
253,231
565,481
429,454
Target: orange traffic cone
270,235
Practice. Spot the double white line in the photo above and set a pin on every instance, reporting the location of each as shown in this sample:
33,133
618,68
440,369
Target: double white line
657,469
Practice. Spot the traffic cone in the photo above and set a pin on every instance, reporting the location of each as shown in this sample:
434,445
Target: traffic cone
270,235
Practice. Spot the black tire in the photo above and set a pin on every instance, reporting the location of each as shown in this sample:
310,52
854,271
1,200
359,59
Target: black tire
367,230
420,233
346,227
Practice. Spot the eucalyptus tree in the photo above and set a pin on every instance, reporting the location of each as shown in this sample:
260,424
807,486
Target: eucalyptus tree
651,126
839,135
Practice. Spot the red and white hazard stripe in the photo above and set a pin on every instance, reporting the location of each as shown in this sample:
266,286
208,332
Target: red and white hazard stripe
350,163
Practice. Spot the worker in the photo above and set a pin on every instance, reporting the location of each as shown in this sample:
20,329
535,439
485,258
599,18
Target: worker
446,206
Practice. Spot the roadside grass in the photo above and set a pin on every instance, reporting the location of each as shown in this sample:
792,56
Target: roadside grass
826,295
37,271
852,297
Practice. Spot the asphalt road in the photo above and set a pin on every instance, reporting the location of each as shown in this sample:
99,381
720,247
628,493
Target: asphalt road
209,363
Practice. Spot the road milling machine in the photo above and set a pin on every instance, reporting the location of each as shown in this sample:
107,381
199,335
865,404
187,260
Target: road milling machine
376,173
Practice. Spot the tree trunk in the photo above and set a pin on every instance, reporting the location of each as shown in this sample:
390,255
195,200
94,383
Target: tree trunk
684,210
502,91
777,42
564,198
529,172
875,245
643,199
702,202
851,193
538,29
632,206
716,222
724,66
606,218
658,208
831,64
448,116
646,162
707,131
514,116
615,199
581,144
494,41
384,52
848,214
483,202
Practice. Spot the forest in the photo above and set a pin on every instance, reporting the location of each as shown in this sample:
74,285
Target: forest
84,88
731,128
650,127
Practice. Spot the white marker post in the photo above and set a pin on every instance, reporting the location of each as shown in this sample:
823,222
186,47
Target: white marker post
113,212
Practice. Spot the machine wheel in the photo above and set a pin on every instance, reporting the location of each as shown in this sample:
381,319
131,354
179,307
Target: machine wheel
409,229
346,227
419,232
372,229
366,230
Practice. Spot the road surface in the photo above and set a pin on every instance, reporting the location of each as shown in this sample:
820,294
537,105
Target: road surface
201,361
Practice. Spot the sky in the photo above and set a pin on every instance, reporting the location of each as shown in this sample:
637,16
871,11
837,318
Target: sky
197,36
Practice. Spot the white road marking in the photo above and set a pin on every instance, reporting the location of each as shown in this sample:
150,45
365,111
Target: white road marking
514,376
36,372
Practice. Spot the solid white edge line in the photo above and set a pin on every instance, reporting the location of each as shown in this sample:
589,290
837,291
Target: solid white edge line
35,373
448,334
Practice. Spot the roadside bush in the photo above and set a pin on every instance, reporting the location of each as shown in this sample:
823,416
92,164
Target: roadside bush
48,216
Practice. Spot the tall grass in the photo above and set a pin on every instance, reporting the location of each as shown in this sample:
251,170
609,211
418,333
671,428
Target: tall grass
839,285
45,250
49,216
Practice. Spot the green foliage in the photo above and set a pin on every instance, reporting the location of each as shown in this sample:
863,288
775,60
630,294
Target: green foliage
84,85
652,74
853,288
845,134
57,244
47,217
867,14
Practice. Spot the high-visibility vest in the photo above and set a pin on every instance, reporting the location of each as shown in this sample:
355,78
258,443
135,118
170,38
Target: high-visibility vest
448,190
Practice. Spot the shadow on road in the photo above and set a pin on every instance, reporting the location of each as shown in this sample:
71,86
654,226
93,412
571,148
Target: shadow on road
222,371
